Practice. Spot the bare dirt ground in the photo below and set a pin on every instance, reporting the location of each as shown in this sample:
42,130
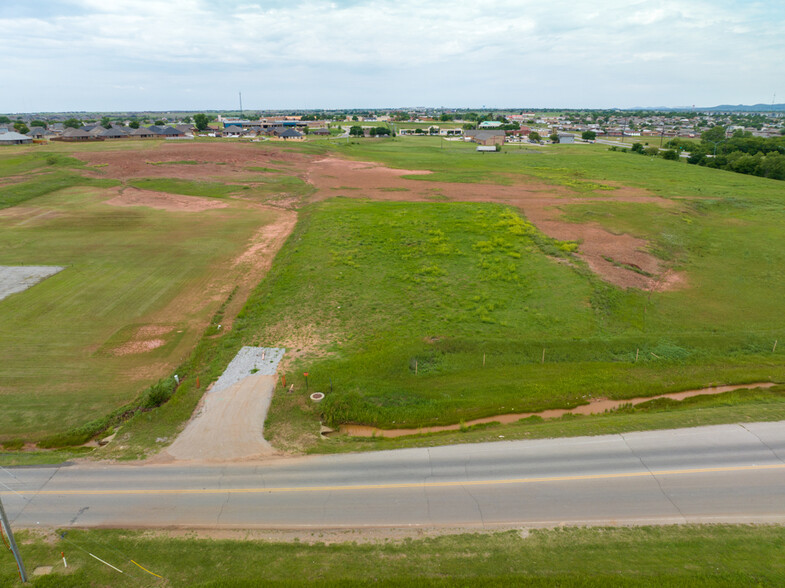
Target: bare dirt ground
128,196
214,160
614,257
145,339
228,424
539,201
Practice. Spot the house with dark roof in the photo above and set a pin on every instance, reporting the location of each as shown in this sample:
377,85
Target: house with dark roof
321,132
290,133
169,132
113,133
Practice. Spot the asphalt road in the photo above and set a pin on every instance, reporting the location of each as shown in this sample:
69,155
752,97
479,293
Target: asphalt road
732,473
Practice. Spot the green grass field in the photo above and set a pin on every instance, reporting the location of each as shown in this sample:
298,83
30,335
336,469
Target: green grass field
406,313
68,342
718,555
409,298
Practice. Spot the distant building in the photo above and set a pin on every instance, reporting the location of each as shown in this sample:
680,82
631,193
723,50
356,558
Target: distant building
14,138
76,135
566,139
290,134
485,137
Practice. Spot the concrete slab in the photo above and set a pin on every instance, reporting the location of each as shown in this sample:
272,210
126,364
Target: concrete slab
249,361
18,278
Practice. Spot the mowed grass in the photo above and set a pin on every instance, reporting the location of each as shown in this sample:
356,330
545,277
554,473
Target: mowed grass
692,555
127,269
258,187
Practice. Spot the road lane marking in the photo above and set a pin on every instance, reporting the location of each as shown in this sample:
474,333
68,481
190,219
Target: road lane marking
404,485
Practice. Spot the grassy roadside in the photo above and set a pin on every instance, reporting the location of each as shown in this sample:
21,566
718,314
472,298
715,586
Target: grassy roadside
691,555
730,408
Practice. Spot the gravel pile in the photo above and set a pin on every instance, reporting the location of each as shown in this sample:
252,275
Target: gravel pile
248,361
18,278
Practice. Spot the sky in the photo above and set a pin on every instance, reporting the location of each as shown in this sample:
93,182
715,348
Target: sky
130,55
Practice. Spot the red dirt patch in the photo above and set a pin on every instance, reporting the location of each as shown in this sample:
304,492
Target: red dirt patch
163,201
540,202
216,160
145,339
134,347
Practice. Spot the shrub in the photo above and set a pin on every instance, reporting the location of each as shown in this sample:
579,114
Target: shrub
670,155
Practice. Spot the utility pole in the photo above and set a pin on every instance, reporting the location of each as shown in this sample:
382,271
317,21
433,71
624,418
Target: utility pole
241,105
10,534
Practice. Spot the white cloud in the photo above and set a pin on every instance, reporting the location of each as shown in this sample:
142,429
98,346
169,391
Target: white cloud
437,49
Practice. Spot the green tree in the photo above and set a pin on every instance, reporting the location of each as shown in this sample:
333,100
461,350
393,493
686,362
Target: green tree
670,154
4,120
469,126
535,136
134,124
554,138
355,118
160,123
106,122
637,147
444,117
356,131
72,123
588,135
201,121
714,134
21,127
186,119
37,123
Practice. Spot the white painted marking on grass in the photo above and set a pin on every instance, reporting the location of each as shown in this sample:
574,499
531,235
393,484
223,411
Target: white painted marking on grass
249,361
18,278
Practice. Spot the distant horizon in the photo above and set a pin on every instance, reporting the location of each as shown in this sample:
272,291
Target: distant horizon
773,108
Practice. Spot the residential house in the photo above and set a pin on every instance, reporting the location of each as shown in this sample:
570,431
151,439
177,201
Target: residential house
233,131
14,138
485,137
39,133
113,133
170,132
142,133
290,134
76,135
